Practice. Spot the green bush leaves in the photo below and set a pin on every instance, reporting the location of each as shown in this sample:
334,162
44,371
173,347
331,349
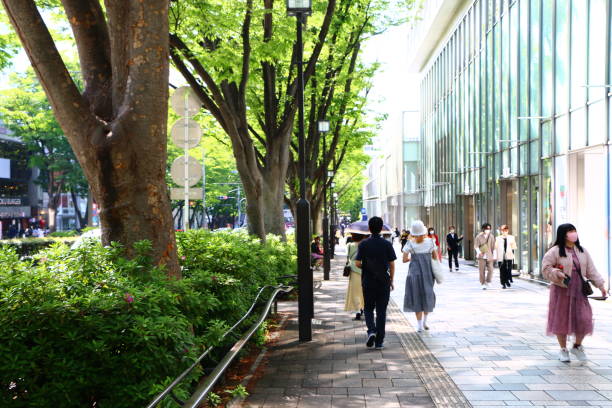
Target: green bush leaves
86,326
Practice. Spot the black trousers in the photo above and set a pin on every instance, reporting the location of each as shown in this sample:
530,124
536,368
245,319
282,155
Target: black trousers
505,271
453,253
376,296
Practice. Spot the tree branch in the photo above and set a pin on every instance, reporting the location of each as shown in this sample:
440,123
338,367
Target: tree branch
246,50
71,109
93,43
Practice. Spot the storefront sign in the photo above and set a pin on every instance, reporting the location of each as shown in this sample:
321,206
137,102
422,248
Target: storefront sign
15,212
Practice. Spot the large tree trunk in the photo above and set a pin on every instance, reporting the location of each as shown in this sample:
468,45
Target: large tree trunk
117,126
273,200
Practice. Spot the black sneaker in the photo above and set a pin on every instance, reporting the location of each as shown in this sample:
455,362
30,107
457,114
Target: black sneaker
380,347
357,316
371,339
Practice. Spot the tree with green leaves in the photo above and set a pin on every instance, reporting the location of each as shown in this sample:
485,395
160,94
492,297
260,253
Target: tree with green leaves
116,125
338,92
239,58
26,112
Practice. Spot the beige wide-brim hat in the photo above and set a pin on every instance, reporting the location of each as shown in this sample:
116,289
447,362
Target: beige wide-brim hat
418,228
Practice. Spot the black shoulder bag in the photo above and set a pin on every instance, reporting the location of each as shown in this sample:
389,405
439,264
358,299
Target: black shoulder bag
587,290
347,268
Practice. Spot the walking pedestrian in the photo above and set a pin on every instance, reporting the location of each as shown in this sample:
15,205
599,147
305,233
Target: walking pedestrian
484,244
452,245
431,233
404,238
396,234
376,258
505,245
419,296
354,293
567,265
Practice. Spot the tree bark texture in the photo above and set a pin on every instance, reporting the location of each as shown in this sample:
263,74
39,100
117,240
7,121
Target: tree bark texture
117,125
261,148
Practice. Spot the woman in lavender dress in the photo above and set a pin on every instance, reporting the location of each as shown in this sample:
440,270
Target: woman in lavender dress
569,311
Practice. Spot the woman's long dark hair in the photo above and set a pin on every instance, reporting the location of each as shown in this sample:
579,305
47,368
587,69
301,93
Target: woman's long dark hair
562,231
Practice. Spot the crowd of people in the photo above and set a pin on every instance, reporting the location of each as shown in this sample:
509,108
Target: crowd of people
371,262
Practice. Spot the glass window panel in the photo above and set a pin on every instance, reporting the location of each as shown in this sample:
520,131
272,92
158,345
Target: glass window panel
505,78
523,234
546,138
578,129
579,52
535,210
524,84
513,72
597,48
534,63
497,83
489,94
547,205
597,123
562,57
524,159
534,151
547,57
561,134
514,160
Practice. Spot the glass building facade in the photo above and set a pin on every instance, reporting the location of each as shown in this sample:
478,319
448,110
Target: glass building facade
515,125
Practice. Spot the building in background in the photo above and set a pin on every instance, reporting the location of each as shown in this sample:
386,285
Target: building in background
20,197
515,120
391,189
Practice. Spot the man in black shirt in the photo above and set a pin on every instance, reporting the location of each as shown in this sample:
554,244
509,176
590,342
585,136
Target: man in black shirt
452,244
376,257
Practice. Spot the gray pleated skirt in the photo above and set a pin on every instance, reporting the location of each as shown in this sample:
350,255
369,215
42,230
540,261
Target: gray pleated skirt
419,295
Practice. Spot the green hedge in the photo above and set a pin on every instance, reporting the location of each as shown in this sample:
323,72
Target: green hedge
31,246
87,326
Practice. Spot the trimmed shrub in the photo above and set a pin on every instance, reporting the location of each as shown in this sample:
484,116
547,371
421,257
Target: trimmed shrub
31,246
87,327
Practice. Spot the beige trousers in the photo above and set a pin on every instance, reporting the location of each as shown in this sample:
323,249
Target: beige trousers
482,264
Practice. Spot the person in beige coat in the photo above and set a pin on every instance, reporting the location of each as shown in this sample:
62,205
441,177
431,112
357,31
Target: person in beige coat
505,245
484,244
566,265
354,293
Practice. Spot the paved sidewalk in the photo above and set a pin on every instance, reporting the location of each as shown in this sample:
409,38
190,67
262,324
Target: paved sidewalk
336,369
493,345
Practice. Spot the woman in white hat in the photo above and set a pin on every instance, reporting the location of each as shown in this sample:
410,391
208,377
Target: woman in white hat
419,296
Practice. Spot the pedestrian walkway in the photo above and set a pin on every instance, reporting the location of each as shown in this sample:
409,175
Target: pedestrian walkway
336,369
485,348
492,343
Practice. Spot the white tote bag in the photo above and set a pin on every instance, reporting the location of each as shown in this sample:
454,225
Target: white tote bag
437,271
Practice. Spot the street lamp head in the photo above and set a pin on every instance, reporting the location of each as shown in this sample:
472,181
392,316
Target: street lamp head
330,173
323,126
333,184
295,7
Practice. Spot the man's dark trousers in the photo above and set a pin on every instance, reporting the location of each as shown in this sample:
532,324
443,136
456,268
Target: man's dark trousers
453,253
376,296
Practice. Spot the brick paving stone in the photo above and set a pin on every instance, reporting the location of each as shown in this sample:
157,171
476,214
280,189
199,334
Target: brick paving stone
335,369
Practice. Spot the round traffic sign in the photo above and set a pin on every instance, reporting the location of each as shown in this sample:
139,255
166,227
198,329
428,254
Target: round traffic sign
189,140
184,99
194,171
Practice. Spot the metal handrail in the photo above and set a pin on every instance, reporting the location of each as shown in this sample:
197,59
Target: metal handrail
203,390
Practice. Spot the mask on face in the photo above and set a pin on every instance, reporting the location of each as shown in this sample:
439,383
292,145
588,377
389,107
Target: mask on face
572,236
487,231
431,232
452,231
504,233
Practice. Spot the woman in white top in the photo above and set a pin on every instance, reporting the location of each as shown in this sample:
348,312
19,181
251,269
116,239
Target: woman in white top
419,296
505,245
354,293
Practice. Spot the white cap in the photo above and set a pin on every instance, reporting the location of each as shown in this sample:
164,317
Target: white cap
418,228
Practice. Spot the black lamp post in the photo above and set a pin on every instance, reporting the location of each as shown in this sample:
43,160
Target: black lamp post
332,227
324,128
300,9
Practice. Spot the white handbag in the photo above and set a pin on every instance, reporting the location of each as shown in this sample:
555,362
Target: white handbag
438,273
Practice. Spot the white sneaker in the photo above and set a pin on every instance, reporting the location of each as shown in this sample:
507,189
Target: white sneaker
484,286
579,353
564,355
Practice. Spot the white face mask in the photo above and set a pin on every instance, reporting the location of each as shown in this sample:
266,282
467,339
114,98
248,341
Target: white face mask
452,231
487,231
